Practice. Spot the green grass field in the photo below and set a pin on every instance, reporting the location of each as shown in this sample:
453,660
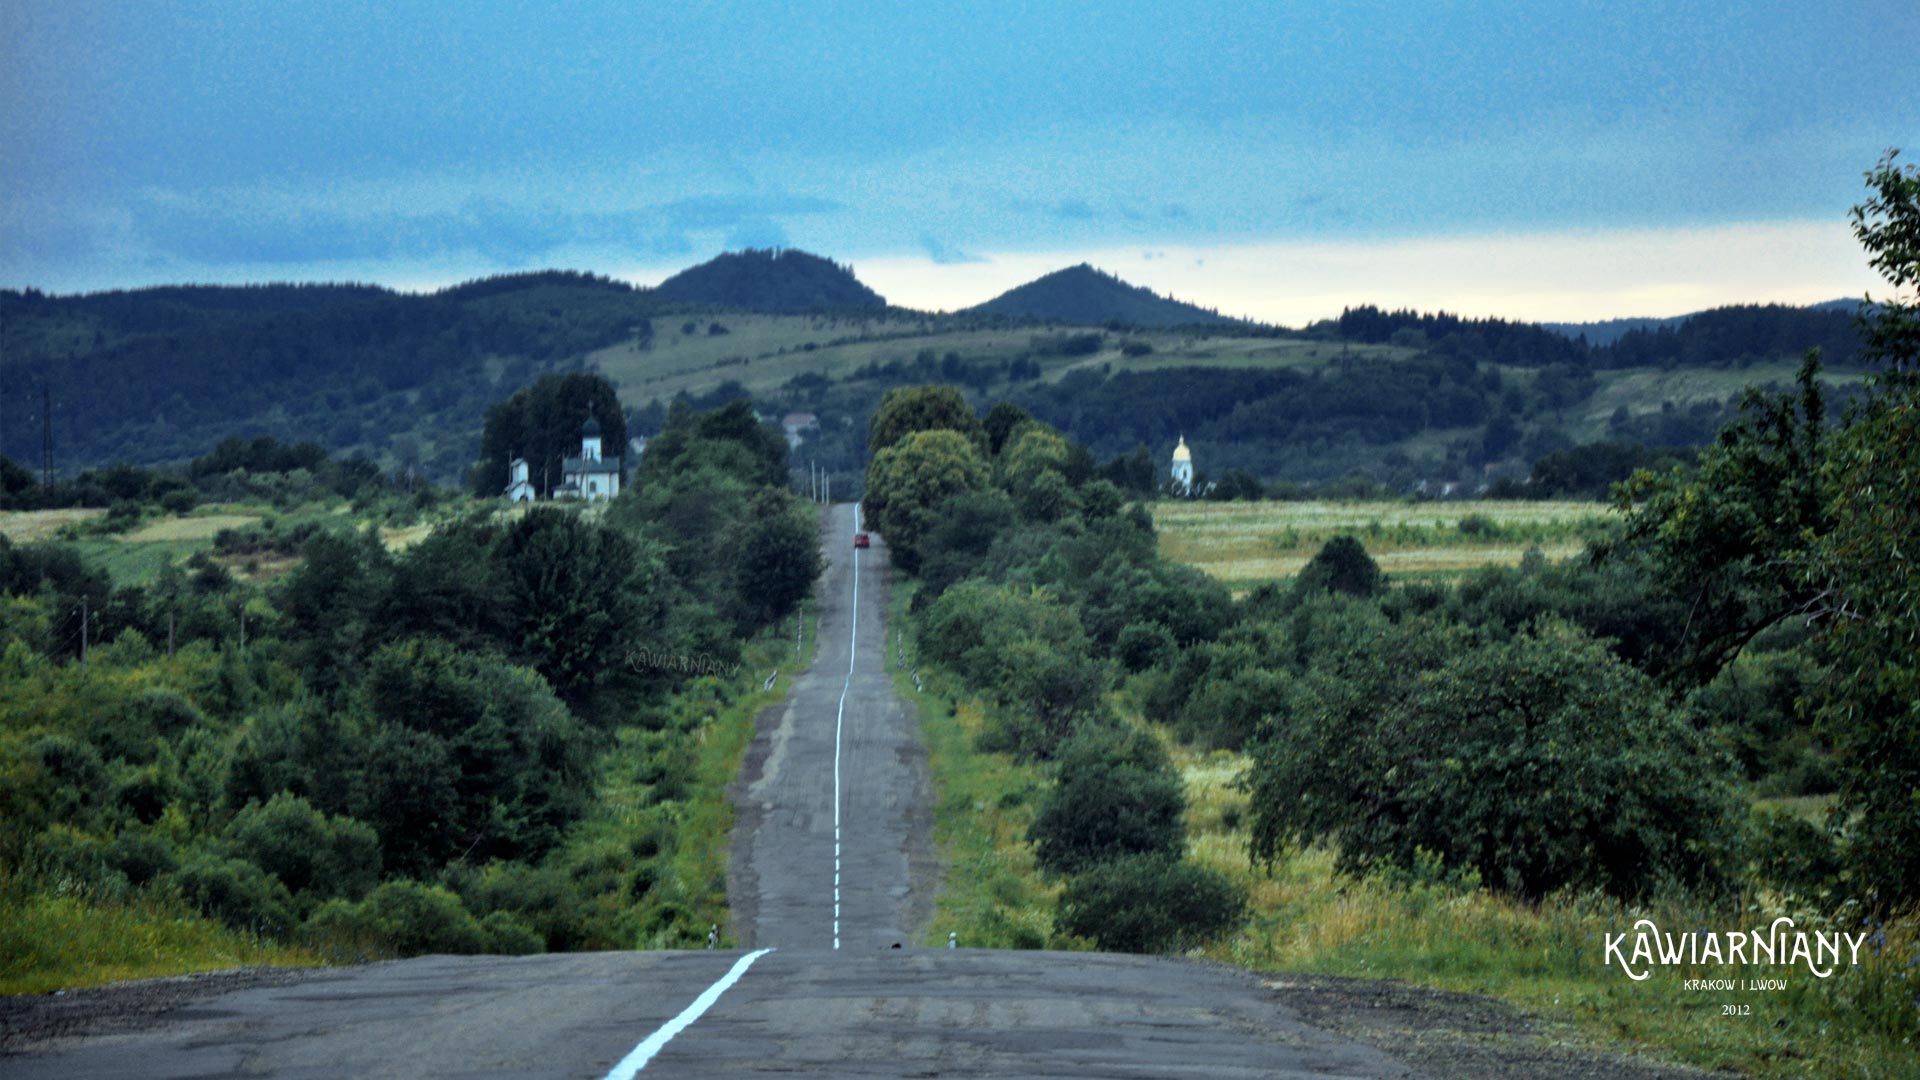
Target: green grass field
1247,544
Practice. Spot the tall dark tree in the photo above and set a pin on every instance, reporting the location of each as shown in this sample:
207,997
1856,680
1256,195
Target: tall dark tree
1865,568
542,423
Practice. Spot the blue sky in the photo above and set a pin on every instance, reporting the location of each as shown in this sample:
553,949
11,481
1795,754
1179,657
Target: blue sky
1549,160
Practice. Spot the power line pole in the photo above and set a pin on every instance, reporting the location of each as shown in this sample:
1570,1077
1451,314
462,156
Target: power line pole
83,631
46,435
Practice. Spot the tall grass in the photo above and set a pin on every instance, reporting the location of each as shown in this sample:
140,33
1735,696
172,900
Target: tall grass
59,942
1435,929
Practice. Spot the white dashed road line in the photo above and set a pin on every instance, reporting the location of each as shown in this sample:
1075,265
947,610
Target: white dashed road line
839,719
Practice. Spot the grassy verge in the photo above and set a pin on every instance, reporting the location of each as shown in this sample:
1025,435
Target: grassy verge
991,893
63,942
1549,959
656,841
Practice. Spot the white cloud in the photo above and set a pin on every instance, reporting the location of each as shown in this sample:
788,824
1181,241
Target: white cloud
1548,276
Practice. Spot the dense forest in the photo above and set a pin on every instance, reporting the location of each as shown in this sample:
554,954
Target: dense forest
391,752
158,375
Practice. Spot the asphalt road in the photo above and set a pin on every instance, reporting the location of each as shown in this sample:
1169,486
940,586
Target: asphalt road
783,867
804,1008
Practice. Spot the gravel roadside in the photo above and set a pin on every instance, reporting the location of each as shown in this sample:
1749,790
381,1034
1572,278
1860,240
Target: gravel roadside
35,1023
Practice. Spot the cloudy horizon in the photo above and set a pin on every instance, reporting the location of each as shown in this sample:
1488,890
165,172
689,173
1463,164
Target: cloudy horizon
1490,160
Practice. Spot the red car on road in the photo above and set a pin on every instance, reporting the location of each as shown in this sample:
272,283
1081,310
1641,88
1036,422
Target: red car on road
860,540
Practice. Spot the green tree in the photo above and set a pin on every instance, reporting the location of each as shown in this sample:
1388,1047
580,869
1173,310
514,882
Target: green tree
906,410
1027,652
1341,565
729,439
779,557
470,757
1728,537
1864,566
579,596
1000,423
331,601
910,481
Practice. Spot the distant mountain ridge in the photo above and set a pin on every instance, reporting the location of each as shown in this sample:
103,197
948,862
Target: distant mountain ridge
1607,331
765,279
1087,296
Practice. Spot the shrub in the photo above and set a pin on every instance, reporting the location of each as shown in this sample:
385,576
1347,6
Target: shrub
306,849
1116,794
508,936
1141,646
1150,903
234,891
1226,713
404,918
1542,763
141,856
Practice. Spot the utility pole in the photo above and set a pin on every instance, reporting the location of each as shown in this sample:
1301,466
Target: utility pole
169,635
83,631
243,628
46,435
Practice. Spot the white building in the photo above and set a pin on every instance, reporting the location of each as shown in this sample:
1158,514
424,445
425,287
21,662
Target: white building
519,489
1182,468
589,476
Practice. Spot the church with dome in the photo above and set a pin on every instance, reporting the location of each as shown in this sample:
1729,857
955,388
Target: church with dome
590,476
1182,482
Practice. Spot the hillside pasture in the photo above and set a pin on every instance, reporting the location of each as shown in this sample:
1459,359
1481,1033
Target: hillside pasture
1247,544
762,352
1643,391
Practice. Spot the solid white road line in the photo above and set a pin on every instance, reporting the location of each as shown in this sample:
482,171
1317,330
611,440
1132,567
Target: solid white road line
655,1042
839,719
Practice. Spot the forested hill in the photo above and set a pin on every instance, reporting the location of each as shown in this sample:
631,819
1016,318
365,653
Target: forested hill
770,280
163,375
1089,297
156,375
1607,331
